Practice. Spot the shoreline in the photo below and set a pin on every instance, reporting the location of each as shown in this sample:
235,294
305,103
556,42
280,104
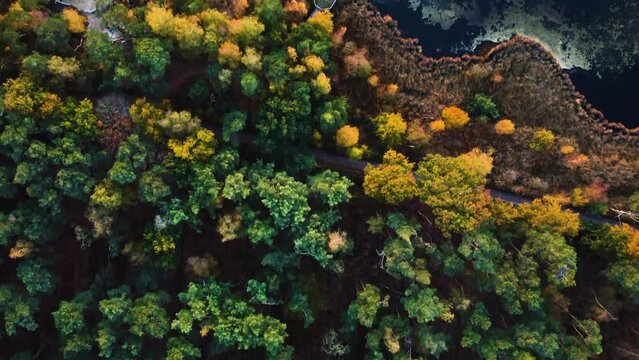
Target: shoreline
411,50
588,78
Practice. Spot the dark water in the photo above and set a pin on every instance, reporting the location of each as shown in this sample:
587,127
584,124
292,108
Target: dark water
614,95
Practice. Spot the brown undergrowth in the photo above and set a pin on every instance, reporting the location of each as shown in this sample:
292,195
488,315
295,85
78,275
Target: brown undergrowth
528,85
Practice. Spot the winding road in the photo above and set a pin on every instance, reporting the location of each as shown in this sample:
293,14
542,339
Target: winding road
356,168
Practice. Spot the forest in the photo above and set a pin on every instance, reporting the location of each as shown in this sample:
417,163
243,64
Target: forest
253,179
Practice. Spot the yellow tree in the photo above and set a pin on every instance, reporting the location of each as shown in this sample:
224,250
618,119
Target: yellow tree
454,188
392,181
347,136
229,54
75,22
546,214
324,20
390,128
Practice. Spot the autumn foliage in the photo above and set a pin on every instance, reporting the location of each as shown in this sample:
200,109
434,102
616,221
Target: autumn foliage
454,117
392,181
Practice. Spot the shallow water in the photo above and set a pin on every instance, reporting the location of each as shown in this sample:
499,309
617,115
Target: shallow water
614,94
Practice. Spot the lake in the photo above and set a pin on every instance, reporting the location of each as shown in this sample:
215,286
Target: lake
614,93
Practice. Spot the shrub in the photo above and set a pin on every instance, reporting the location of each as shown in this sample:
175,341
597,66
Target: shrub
567,149
390,128
482,106
542,141
437,126
504,127
455,117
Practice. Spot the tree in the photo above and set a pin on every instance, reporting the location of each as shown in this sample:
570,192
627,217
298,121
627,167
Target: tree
101,52
482,249
284,120
65,69
559,258
72,326
423,305
392,181
20,95
399,259
322,84
347,136
331,188
186,32
229,54
198,147
152,188
178,124
285,198
151,56
250,84
52,35
364,308
18,311
78,117
542,141
232,123
76,23
333,115
130,322
390,128
478,323
35,277
270,13
546,214
131,157
246,30
625,274
324,21
454,188
178,348
437,126
231,321
454,117
634,202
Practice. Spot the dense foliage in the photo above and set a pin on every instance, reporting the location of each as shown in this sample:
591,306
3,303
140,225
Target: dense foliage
165,194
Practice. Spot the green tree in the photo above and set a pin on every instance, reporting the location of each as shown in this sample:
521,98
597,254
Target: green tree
482,249
52,35
249,84
17,310
232,123
423,305
130,158
365,307
71,324
35,277
151,56
285,198
483,107
333,114
331,188
232,322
